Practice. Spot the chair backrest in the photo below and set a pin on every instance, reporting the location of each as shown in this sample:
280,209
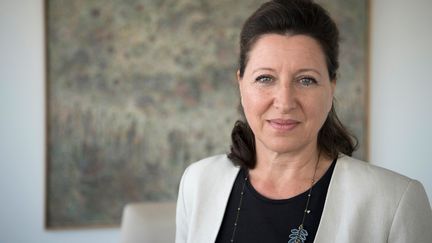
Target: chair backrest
148,223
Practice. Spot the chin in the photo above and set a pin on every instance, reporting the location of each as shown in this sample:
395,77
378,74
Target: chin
283,146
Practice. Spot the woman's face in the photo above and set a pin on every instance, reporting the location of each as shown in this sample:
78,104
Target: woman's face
285,92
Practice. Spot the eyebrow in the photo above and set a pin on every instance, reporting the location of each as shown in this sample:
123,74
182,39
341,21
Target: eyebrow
263,69
309,70
302,70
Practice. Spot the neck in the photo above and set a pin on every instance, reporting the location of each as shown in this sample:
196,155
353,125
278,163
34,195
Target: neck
274,171
292,164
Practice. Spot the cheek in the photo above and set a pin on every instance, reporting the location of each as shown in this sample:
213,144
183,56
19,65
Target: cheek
248,102
325,108
254,107
253,101
318,109
322,101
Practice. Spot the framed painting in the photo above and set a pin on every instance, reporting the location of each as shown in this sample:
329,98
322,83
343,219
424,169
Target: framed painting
139,89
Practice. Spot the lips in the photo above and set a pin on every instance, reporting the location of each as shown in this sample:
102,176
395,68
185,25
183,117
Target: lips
283,124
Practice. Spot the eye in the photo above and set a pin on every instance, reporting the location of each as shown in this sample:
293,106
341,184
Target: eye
307,81
265,79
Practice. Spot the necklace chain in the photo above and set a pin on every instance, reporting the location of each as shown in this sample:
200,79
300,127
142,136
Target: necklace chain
297,237
238,209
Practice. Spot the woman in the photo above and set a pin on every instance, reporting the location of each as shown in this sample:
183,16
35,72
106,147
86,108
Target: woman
289,177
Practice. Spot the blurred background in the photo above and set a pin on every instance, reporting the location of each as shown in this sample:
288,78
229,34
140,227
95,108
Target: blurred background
400,110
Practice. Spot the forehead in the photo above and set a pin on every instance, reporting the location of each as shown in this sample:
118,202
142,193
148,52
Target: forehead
294,50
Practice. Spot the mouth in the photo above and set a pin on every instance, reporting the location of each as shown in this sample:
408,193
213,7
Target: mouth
283,124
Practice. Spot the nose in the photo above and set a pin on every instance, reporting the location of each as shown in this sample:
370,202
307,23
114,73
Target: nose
285,98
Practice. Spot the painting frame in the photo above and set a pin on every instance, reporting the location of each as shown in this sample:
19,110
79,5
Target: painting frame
50,169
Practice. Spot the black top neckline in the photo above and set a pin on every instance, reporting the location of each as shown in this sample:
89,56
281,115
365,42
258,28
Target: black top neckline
271,220
293,199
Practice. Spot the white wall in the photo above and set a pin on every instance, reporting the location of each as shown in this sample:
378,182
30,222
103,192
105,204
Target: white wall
401,110
22,131
401,88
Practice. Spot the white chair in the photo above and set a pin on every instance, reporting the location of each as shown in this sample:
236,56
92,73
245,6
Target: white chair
148,223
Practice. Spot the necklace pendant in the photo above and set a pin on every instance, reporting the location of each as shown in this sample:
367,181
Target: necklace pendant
298,235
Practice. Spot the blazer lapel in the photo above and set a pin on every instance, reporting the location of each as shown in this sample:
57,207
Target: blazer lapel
330,218
212,215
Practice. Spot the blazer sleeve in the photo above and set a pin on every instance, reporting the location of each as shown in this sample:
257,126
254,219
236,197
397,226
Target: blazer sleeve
181,212
412,220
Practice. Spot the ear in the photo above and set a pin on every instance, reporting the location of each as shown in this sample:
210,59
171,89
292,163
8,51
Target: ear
239,81
333,86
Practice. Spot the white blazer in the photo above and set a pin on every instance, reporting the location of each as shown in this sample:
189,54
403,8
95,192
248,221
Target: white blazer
364,204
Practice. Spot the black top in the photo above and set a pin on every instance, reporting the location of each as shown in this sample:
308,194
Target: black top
266,220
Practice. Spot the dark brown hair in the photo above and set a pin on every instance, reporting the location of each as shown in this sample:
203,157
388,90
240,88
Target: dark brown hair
293,17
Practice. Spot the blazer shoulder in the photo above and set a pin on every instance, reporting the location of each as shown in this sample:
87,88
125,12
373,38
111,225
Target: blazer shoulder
209,170
216,163
371,174
382,201
371,182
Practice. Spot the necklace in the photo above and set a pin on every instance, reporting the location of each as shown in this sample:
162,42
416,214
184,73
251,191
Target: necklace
299,234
